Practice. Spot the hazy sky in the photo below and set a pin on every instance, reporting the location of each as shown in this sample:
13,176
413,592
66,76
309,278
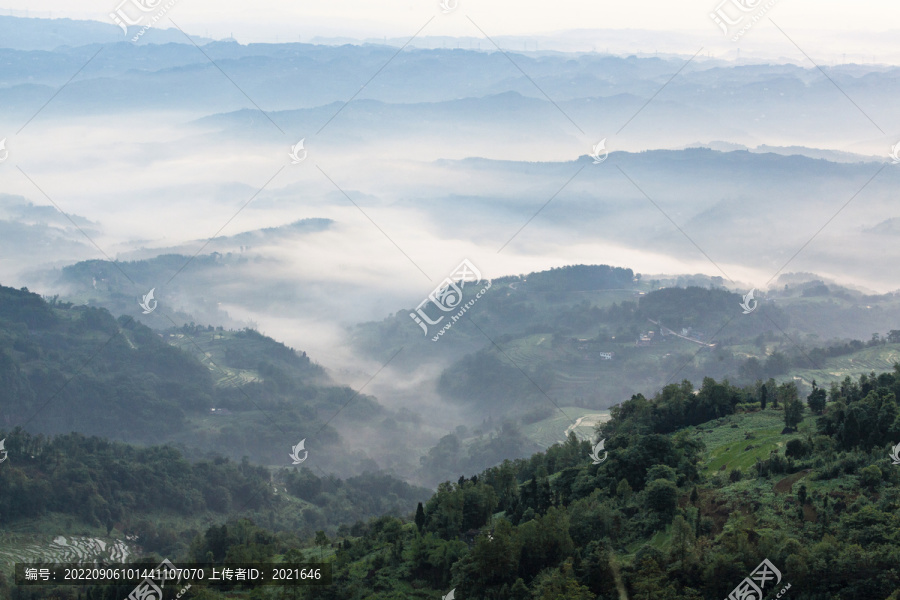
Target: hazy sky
261,19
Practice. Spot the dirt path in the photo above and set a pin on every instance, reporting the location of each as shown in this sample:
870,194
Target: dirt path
589,420
670,332
573,426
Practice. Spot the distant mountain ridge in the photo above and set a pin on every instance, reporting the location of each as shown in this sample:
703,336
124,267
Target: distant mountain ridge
30,34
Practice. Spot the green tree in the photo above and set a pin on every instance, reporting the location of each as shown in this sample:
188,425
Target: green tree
544,542
623,490
431,558
816,399
772,386
651,583
321,542
661,472
662,498
519,591
870,476
420,517
682,539
560,584
793,406
793,413
490,564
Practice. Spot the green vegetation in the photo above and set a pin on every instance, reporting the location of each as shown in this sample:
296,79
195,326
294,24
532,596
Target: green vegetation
767,458
756,436
76,368
554,427
559,327
659,518
134,491
862,360
682,509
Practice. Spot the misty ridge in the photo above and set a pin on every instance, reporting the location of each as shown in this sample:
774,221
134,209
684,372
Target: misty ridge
185,178
429,106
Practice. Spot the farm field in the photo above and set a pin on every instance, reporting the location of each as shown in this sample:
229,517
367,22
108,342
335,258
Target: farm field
21,547
582,376
878,359
754,437
555,428
209,350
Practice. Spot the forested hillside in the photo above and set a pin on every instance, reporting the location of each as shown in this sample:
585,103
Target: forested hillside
157,500
694,490
592,349
700,486
66,368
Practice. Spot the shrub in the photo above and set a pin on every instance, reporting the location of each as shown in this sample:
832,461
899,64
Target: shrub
797,449
870,476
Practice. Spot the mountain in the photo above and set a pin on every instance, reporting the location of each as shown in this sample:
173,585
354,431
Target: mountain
598,94
570,337
114,288
47,234
580,337
68,368
692,492
31,34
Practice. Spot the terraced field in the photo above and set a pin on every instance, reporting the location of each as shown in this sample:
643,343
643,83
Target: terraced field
34,548
529,351
233,377
555,428
878,359
583,377
755,436
206,349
